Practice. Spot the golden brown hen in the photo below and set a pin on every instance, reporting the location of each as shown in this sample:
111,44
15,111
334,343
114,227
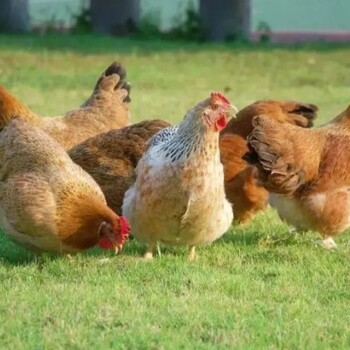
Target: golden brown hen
306,172
48,203
111,158
240,184
106,109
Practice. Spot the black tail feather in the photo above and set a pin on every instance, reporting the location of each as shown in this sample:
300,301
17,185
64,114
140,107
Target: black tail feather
309,111
117,68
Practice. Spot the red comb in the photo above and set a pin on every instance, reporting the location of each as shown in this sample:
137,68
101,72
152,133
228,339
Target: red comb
219,96
124,229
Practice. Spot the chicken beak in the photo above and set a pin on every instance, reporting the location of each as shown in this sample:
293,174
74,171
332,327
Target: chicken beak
231,111
116,245
118,248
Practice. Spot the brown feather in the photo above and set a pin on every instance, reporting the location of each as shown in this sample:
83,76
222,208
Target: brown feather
242,189
106,109
111,158
306,170
11,107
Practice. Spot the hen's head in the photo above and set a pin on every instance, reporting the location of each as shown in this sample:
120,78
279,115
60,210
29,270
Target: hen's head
114,234
212,113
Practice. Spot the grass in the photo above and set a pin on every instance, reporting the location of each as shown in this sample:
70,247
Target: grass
257,287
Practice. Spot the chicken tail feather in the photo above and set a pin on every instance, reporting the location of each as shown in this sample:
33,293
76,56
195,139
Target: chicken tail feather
304,114
117,69
11,108
113,79
111,88
271,151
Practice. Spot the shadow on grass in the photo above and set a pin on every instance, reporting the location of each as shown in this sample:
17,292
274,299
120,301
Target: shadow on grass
253,237
95,44
241,238
14,255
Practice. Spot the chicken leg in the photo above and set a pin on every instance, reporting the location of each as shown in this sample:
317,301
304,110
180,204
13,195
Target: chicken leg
192,254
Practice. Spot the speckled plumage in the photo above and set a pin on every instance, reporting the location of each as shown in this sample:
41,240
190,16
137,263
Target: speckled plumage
164,135
178,197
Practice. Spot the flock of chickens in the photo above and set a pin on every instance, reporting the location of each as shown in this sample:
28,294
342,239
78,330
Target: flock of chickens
90,178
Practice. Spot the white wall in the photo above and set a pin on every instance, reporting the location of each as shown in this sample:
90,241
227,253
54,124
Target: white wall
302,15
280,15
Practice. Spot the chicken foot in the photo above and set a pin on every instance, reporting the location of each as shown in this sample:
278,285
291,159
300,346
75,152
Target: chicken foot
149,251
328,243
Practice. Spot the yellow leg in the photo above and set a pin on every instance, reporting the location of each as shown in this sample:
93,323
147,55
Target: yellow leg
149,252
192,254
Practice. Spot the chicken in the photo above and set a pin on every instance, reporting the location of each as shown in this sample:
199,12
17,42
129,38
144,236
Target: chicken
48,203
106,109
241,186
178,197
111,158
306,172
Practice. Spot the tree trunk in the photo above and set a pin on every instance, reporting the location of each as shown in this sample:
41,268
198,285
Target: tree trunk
118,17
225,19
14,16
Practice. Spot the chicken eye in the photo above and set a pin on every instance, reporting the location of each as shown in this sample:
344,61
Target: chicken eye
215,106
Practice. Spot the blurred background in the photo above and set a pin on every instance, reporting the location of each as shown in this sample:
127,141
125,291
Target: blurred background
51,51
276,20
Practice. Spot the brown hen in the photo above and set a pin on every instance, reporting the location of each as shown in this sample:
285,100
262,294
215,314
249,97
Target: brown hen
106,109
306,172
111,158
241,187
48,203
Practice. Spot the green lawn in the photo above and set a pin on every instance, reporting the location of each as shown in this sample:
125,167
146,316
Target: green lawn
258,287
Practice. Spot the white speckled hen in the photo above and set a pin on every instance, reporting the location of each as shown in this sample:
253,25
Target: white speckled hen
178,197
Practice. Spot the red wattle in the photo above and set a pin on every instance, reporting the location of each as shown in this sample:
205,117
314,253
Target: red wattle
220,123
105,243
